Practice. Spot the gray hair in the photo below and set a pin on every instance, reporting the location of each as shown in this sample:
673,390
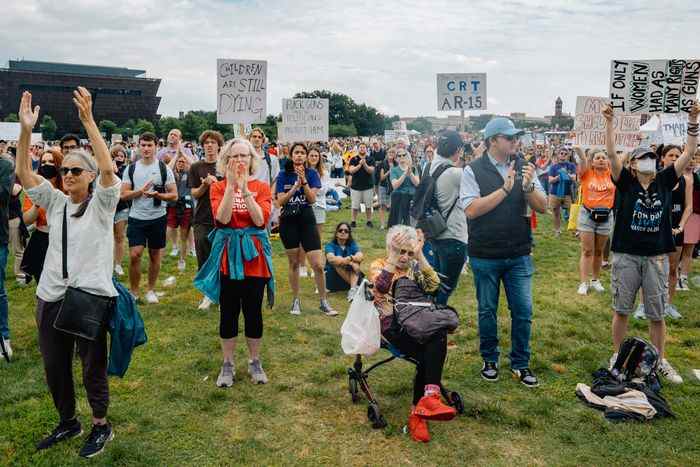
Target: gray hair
408,231
86,161
225,154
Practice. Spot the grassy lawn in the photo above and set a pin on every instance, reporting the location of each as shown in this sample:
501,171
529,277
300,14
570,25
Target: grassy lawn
167,410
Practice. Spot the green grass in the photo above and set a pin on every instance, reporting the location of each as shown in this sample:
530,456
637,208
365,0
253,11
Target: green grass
167,410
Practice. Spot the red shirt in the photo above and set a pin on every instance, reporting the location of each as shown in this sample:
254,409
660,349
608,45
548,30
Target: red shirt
240,218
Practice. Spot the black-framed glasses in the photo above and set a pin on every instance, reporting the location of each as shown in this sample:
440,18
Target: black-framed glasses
69,147
74,171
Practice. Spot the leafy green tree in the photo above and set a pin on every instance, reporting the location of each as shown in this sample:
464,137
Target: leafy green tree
12,118
48,128
342,130
421,125
192,125
166,124
342,110
108,127
142,126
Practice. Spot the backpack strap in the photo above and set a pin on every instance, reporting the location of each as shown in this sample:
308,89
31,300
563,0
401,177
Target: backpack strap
268,159
163,172
131,170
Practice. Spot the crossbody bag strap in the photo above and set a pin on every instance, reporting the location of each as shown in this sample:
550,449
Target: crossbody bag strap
64,242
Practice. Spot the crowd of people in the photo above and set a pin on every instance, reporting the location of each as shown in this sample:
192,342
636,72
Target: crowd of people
444,202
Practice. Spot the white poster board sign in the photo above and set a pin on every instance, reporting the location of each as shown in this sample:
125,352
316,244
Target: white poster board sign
461,91
674,128
116,138
241,91
9,131
653,86
391,136
589,125
304,120
37,138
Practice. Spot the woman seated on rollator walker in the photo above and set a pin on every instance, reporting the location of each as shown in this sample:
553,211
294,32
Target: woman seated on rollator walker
406,267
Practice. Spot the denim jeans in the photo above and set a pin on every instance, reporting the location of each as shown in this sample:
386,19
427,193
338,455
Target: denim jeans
450,256
516,275
4,326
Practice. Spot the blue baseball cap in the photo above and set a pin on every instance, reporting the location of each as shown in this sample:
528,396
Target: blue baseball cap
501,126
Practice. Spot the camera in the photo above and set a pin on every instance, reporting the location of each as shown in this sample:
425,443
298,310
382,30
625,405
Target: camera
159,189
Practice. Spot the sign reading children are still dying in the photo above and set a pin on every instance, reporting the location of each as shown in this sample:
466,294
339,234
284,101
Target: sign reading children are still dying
653,86
241,91
461,91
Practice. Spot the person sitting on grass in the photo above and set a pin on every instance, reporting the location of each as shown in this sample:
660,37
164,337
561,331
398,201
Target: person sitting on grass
343,260
404,248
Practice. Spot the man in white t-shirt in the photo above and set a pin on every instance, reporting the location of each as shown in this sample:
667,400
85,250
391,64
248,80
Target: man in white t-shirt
268,165
147,216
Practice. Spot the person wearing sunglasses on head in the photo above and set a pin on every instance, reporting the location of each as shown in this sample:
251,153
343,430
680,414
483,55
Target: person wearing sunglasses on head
80,255
561,176
497,192
643,235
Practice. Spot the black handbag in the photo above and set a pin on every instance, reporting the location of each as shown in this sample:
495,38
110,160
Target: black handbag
599,215
82,314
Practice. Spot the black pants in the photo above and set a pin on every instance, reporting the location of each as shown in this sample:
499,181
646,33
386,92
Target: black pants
202,245
430,357
57,351
400,209
246,294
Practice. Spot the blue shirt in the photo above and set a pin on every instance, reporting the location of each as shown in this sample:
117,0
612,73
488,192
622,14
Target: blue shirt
286,180
340,251
469,189
566,171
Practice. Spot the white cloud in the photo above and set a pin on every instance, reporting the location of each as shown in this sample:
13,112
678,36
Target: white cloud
385,53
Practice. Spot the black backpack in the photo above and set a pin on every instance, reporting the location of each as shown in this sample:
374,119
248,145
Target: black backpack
425,208
163,173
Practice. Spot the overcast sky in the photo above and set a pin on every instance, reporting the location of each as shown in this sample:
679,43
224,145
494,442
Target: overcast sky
384,53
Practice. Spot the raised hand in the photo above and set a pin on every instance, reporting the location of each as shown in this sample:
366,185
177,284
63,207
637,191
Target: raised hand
510,178
608,113
83,101
27,116
694,111
231,172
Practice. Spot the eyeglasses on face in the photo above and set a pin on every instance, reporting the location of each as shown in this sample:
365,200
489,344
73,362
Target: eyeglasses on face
69,147
509,137
74,171
343,231
410,253
239,156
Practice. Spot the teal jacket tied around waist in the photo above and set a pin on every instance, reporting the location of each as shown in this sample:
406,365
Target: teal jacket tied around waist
241,248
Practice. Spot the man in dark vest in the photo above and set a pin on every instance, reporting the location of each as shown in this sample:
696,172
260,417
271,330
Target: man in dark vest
497,190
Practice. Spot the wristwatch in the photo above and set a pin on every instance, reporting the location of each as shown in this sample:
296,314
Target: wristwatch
529,189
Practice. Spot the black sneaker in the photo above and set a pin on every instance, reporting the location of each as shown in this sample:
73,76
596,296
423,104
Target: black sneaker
369,224
490,371
526,377
95,444
64,431
353,224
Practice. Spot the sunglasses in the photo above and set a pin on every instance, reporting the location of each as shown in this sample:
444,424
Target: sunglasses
410,253
74,171
69,147
343,231
508,137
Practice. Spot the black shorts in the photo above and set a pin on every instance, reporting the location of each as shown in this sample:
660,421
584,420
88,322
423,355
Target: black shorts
150,233
300,230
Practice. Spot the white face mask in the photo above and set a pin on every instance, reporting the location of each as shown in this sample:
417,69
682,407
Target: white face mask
646,165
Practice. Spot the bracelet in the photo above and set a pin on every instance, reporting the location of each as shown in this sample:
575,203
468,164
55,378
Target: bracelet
693,129
507,192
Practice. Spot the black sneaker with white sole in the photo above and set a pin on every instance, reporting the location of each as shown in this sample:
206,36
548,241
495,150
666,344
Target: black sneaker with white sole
490,371
526,376
99,437
63,432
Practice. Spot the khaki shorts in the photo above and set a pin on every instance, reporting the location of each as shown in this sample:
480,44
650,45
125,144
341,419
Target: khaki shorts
362,196
632,272
557,202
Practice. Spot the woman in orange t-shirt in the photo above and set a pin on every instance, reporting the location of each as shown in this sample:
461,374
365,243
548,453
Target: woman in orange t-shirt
35,251
239,202
595,217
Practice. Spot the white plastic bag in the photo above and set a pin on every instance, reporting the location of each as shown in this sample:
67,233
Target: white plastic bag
361,331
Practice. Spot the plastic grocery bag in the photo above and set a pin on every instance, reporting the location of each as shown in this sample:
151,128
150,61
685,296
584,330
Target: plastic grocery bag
361,331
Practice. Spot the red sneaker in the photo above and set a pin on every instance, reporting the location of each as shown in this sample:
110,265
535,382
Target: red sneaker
418,428
431,408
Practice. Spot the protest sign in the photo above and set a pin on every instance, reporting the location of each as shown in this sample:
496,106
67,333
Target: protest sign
37,138
304,120
589,125
394,135
241,95
116,138
461,91
9,131
653,86
674,128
